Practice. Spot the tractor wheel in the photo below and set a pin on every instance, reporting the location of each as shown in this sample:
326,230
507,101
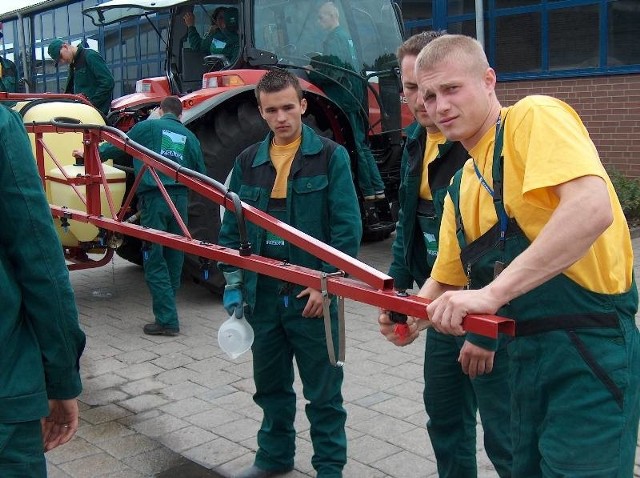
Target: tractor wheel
223,133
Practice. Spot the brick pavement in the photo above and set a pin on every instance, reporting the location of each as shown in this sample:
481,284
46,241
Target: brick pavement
178,407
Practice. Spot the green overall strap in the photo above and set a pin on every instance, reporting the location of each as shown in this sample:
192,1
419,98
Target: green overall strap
497,174
496,192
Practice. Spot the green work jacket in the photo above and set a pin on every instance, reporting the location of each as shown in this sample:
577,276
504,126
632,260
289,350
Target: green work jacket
8,76
166,136
39,332
321,201
89,75
410,263
338,54
203,45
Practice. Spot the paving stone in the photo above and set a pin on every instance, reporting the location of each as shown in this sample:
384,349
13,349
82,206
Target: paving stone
145,385
187,437
183,390
136,356
174,360
152,462
73,450
186,407
105,431
139,370
143,402
160,425
100,464
126,446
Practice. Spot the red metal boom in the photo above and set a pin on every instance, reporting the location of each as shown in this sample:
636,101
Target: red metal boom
365,284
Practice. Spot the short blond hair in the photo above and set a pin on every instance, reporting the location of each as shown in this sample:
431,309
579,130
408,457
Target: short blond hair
458,48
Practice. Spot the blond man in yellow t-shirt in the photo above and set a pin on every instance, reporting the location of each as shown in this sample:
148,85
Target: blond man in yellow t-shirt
533,229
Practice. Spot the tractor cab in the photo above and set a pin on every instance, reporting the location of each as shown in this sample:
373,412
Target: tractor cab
218,51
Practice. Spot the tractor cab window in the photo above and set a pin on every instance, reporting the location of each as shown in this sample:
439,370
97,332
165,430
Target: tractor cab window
359,33
208,39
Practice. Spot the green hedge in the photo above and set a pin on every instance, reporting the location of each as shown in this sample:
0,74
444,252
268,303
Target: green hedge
628,190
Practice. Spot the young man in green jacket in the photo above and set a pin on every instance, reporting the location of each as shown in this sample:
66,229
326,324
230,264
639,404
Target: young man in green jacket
88,73
452,398
41,339
304,180
162,265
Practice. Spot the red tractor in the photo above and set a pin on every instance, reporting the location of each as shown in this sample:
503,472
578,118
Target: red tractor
216,86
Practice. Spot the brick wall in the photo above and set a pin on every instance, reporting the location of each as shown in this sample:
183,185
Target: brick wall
609,107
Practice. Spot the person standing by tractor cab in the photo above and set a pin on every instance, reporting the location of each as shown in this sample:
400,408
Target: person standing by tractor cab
452,399
305,180
8,73
88,73
168,137
336,72
534,231
41,339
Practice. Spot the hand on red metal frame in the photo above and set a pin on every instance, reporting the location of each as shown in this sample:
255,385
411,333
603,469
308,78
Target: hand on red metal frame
78,153
389,329
61,424
447,312
475,360
314,304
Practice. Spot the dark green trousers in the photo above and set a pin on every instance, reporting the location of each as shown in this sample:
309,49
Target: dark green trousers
282,334
22,450
452,400
369,178
163,265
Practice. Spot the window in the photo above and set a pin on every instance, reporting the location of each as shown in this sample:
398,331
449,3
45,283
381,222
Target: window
542,38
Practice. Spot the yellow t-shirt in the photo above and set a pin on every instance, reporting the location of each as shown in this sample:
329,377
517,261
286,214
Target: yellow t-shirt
545,145
282,157
430,154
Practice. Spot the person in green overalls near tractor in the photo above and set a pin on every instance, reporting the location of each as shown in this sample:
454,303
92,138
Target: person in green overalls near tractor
534,231
336,72
429,161
88,73
304,180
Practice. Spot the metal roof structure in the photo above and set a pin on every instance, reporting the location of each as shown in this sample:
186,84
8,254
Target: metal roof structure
15,8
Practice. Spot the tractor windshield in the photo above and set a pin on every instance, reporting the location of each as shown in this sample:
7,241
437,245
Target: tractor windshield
299,30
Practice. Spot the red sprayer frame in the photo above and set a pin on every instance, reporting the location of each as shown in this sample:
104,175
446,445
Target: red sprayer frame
365,284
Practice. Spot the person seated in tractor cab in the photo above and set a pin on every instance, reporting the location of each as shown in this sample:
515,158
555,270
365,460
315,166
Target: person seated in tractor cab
229,46
198,43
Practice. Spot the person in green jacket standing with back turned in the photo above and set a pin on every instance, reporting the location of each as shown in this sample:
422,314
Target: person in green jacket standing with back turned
168,137
41,339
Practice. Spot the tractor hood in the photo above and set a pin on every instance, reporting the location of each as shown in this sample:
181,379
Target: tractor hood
116,11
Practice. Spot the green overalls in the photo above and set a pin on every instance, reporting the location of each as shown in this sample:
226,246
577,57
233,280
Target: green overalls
349,92
574,364
451,399
90,75
321,201
162,265
8,76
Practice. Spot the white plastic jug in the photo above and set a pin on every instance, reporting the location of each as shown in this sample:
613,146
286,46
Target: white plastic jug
235,335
